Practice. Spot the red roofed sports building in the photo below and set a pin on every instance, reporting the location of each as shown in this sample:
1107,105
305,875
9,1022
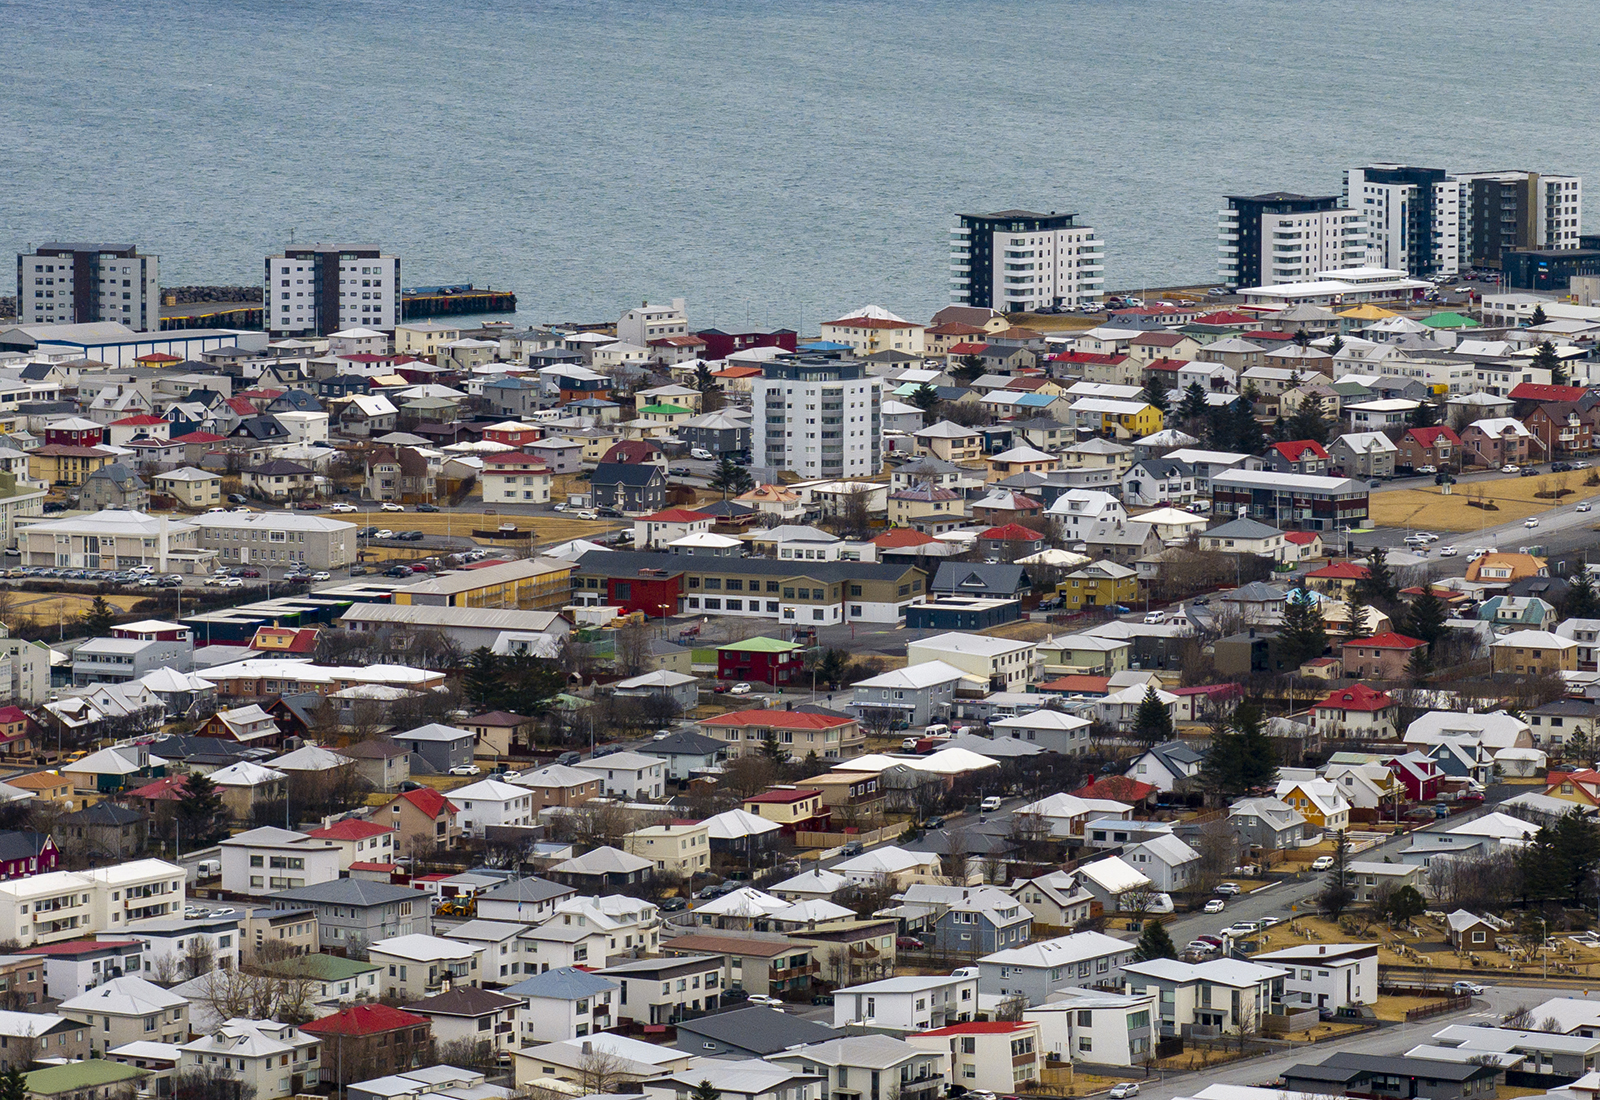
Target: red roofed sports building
1357,711
1300,456
830,735
1380,657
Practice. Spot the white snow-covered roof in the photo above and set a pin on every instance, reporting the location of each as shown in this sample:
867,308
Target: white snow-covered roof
736,824
245,774
1113,875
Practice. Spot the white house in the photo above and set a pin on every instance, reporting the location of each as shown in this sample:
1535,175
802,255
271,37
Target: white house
1055,900
987,1055
908,1004
480,1018
892,864
1053,730
565,1003
1327,975
275,1060
1166,861
171,942
263,860
1091,1025
1004,664
418,966
1164,766
491,802
630,775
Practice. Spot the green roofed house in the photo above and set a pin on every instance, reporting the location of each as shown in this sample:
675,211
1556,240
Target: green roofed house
341,980
665,414
762,660
96,1079
1450,319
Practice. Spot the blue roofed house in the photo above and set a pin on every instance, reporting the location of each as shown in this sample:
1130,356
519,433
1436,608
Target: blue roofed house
1527,612
565,1003
992,581
968,919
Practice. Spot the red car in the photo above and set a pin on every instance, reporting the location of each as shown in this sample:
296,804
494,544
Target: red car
309,506
247,572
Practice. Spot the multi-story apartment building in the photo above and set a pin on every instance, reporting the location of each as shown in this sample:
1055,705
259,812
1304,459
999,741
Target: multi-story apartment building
653,322
79,283
1507,211
66,905
818,417
1265,240
319,289
277,538
1413,217
1019,260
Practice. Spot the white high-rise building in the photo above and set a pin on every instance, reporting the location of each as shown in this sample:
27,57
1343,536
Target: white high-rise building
1296,245
818,417
1506,211
80,283
1413,217
1019,260
319,289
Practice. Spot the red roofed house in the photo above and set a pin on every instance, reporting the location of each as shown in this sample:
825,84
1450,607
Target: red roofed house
1077,684
513,477
1440,447
424,821
999,1056
831,736
1337,580
1380,657
157,359
513,433
1303,546
1010,541
903,538
1245,322
796,809
868,335
283,639
120,433
962,350
941,339
1357,711
1119,788
1300,456
359,841
368,1041
1580,786
1533,391
653,532
632,452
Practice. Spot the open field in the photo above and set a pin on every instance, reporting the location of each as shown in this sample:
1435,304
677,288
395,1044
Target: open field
47,606
1430,509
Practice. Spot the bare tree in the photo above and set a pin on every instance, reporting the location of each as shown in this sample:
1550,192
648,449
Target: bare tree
601,1072
200,957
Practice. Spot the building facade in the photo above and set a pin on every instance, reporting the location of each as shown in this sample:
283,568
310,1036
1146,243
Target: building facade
817,417
1018,260
83,283
320,289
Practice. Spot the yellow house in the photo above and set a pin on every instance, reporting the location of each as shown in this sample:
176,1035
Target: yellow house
190,487
867,335
665,414
1118,419
1020,460
1099,584
927,508
1534,651
46,787
596,441
63,464
676,849
1318,801
686,396
424,338
951,442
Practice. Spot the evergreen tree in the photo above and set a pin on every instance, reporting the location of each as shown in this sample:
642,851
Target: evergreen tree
1576,747
1337,893
480,680
926,398
1194,403
1280,430
1399,907
1241,757
1302,339
1245,434
1425,617
1419,666
1582,601
1379,584
705,1090
968,370
1425,415
199,810
1547,359
772,750
1152,722
710,390
1538,317
1154,943
14,1082
1303,635
531,684
1155,394
1359,613
1309,423
730,477
1336,345
100,618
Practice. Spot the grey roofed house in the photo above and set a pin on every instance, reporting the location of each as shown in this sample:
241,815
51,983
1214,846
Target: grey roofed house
686,750
629,487
522,899
928,466
1349,1072
750,1031
564,983
441,747
1267,823
1242,529
295,400
725,508
964,578
354,911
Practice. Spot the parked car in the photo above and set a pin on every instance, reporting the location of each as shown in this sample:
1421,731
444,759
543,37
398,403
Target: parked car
853,848
991,804
391,506
1227,889
1509,468
249,572
322,575
739,689
1243,928
1124,1090
701,454
1448,551
672,905
397,571
908,943
466,769
341,506
427,507
1464,989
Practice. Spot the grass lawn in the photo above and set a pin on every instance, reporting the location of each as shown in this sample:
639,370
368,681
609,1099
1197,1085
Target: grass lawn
1429,509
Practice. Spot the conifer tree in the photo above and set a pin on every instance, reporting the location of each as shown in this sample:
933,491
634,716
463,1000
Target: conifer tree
1582,601
100,618
1194,402
1379,584
1425,616
1304,635
1152,722
1154,943
199,810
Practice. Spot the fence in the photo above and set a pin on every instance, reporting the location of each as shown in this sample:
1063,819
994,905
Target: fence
1275,1024
834,840
1439,1008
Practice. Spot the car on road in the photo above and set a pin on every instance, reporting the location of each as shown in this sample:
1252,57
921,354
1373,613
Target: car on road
466,769
1124,1090
588,513
681,471
1227,889
410,536
1586,506
933,823
1529,471
341,506
358,571
1322,863
739,689
1427,536
1464,989
701,454
1530,522
322,575
1509,468
249,573
1215,905
228,582
672,905
398,571
1268,922
391,506
309,506
853,848
1448,551
1427,469
427,507
991,804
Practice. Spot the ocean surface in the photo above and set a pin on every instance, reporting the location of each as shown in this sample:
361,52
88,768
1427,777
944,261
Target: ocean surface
772,162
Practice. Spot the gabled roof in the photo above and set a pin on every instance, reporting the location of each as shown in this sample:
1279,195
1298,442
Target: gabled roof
1387,640
1299,449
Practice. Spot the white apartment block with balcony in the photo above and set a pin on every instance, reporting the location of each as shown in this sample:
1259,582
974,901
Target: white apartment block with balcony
1294,247
320,289
1413,224
68,905
84,283
818,418
1018,260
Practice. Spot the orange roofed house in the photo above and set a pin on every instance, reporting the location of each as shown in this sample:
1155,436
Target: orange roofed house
830,736
1380,657
1357,711
1506,567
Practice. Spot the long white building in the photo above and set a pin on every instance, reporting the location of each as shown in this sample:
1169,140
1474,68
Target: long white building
67,905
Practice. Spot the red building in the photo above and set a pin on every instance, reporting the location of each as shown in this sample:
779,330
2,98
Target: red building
647,590
760,660
24,854
721,343
1418,774
1439,447
74,432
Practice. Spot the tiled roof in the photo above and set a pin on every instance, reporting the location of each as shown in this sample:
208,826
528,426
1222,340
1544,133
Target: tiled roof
1387,640
365,1020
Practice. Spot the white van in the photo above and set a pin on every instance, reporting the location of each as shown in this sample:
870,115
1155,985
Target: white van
991,804
208,868
937,730
701,454
1155,616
